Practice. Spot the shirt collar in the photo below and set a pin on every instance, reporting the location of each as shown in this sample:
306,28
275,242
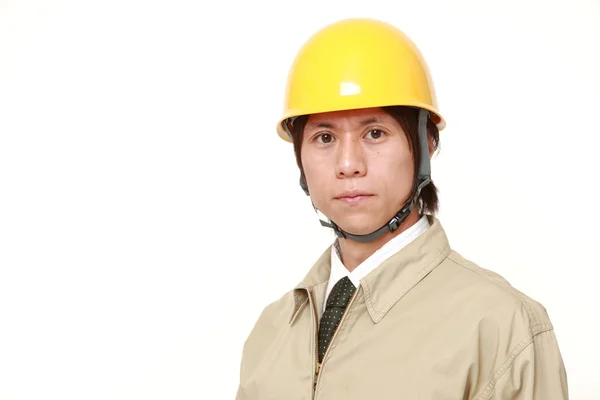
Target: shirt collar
398,274
394,245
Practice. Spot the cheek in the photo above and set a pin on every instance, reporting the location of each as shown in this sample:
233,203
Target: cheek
395,173
314,171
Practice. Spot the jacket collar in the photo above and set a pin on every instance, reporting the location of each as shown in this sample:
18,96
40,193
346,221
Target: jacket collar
389,282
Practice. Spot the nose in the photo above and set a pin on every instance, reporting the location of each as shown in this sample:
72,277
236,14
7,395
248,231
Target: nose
350,160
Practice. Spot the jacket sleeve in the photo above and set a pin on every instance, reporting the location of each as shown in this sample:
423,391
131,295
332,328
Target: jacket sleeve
536,372
260,338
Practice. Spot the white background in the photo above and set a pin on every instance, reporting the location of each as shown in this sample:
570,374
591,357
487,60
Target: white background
149,212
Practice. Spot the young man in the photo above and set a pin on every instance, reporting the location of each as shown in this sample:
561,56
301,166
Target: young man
389,311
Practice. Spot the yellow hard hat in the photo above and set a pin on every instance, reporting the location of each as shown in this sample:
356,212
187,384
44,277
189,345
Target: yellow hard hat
357,63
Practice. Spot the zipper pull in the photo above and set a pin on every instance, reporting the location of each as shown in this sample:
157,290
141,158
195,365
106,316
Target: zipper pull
317,370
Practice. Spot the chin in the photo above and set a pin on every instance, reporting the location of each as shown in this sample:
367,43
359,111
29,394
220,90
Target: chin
358,226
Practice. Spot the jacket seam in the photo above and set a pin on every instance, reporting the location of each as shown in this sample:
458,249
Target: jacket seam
533,321
505,367
525,343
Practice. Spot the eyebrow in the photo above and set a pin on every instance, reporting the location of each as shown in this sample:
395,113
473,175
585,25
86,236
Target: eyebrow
329,125
326,125
370,120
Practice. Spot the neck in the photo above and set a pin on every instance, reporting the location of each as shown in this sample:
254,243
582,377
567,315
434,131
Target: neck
354,253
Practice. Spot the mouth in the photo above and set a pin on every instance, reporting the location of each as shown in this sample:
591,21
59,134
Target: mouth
353,197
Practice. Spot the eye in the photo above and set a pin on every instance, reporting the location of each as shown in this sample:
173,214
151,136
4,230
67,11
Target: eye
324,138
375,134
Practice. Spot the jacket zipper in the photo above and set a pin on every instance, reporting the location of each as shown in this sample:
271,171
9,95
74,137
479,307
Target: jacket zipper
318,365
316,330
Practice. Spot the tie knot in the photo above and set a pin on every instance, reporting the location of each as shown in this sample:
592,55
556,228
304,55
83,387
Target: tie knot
341,293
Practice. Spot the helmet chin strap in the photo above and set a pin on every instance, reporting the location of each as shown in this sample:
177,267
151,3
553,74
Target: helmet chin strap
423,179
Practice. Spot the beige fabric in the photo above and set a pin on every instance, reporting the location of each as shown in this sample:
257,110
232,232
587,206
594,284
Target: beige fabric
426,324
394,245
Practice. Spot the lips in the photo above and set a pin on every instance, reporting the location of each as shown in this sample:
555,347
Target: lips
352,193
354,196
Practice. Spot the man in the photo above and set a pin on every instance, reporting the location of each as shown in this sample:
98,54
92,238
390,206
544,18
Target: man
389,311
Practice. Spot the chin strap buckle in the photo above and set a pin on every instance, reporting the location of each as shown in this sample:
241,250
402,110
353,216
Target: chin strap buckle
394,224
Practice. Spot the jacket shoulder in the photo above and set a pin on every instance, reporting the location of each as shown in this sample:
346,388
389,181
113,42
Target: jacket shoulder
271,320
494,287
275,313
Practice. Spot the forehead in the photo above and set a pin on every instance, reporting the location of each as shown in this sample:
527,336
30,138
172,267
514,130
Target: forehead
356,117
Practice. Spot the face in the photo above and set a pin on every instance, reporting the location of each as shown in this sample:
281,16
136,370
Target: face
358,167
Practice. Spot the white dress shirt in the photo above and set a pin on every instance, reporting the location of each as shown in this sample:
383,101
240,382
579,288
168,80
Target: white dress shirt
338,270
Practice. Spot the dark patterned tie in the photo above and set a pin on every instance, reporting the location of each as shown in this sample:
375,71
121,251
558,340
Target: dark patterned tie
334,311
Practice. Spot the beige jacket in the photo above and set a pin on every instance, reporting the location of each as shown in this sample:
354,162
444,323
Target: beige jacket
426,324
